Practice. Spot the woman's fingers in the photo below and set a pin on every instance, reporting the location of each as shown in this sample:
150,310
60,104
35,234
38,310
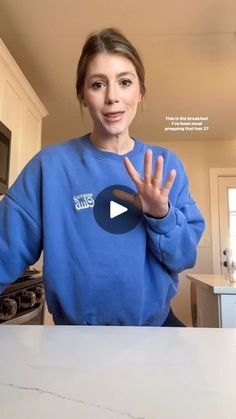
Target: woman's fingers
155,179
158,173
169,182
125,196
132,171
131,198
148,166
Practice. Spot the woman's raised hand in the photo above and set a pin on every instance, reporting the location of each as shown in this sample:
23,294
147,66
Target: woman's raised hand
150,191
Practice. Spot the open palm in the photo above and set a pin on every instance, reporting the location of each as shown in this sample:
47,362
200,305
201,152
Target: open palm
150,191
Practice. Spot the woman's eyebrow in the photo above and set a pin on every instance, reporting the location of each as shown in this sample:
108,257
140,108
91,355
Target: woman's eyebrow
102,76
97,75
126,73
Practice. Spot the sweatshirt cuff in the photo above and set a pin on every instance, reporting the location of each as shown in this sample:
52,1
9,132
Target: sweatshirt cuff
162,225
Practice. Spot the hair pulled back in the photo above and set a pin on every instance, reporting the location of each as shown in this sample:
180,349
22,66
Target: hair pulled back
109,40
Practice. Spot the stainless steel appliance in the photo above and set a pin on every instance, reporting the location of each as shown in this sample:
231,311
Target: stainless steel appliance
23,301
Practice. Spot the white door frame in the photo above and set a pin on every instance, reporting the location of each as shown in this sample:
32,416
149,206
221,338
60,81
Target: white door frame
215,219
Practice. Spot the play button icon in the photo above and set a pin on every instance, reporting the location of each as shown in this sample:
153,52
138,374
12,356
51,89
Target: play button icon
117,209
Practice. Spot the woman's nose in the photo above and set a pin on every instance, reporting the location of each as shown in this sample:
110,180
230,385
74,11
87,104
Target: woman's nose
112,95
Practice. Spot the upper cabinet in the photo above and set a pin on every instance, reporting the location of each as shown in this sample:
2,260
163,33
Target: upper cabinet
21,111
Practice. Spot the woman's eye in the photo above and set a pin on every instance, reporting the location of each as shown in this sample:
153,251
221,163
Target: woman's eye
126,82
97,85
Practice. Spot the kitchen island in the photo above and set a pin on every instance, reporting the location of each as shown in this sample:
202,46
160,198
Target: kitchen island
215,300
70,372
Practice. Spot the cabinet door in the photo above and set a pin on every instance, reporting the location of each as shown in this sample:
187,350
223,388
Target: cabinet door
2,76
228,310
21,111
31,133
12,116
207,308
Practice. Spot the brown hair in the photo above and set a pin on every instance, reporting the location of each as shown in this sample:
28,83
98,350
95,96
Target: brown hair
114,42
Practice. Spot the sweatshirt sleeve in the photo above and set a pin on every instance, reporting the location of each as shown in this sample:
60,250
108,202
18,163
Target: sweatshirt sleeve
20,226
174,238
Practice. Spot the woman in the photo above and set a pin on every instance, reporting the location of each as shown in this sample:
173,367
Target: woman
94,276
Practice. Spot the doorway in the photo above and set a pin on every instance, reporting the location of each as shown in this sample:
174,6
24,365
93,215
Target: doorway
223,215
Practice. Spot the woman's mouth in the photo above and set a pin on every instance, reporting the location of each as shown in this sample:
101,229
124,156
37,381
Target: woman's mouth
113,116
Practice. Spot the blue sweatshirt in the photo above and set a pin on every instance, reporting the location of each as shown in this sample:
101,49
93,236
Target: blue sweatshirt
93,277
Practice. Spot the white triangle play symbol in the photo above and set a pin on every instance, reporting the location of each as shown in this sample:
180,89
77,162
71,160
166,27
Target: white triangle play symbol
116,209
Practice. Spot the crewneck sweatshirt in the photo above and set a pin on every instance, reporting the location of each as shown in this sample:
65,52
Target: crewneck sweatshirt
93,277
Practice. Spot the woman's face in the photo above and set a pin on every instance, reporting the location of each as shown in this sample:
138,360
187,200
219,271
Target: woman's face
111,93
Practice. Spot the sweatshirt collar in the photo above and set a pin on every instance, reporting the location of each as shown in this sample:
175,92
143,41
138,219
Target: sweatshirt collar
109,155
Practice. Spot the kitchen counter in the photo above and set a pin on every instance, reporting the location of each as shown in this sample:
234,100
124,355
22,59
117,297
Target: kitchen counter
73,372
215,300
218,284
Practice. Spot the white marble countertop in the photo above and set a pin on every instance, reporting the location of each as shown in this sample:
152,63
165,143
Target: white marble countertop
218,284
71,372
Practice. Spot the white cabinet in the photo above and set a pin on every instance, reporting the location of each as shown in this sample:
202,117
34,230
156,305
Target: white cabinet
227,310
21,111
215,300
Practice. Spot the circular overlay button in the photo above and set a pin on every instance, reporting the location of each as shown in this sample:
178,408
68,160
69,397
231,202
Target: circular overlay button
117,209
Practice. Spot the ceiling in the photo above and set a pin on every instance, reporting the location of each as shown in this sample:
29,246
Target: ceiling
188,47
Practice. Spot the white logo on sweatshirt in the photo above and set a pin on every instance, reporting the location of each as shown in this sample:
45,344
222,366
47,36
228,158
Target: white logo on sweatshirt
83,201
